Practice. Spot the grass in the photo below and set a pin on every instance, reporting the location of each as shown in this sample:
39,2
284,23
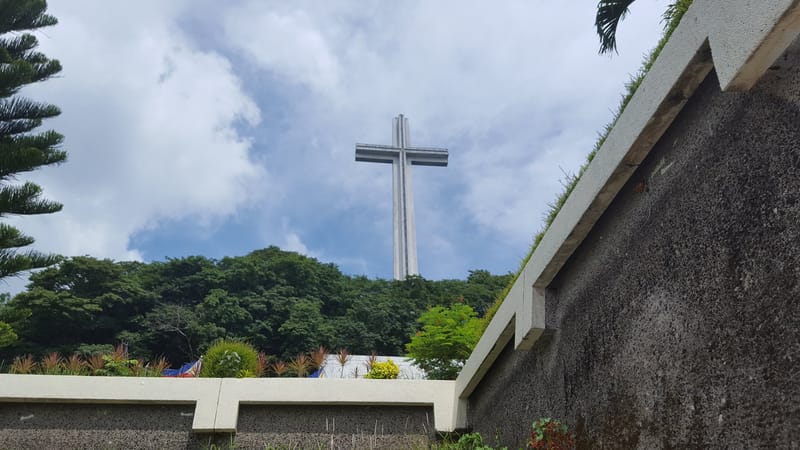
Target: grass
671,19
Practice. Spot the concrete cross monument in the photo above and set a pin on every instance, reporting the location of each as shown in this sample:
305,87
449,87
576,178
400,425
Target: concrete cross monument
402,156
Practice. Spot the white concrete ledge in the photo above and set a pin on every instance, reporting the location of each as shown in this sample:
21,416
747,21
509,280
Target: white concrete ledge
217,399
740,39
203,392
303,391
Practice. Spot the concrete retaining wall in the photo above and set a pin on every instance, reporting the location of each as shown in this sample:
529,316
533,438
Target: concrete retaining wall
127,426
41,411
676,322
75,426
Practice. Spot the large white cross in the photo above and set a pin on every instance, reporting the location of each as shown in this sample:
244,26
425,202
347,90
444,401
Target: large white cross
402,156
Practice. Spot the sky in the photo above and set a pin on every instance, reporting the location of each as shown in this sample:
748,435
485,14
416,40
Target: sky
218,128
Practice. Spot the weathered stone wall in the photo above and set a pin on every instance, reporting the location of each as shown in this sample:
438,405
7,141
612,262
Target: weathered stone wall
676,324
76,426
336,427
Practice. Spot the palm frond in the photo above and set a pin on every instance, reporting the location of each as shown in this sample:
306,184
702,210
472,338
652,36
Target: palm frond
609,14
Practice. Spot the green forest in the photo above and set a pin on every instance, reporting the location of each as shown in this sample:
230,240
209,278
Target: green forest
282,302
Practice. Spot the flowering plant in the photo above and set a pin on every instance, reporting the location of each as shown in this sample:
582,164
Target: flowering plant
383,370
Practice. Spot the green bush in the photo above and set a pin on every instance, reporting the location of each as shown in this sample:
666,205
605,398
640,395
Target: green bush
445,341
468,441
230,359
383,371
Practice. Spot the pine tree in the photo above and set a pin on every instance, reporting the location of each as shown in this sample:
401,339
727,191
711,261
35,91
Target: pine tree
20,149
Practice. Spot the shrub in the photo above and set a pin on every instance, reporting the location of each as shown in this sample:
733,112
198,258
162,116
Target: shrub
468,441
7,335
230,359
118,363
87,350
551,435
115,363
383,370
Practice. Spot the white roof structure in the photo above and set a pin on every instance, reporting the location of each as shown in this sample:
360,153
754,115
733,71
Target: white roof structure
356,367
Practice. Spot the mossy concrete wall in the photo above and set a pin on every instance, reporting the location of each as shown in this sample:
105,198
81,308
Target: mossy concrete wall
676,323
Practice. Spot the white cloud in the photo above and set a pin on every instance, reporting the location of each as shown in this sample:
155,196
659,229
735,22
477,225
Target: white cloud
150,124
286,43
515,89
293,243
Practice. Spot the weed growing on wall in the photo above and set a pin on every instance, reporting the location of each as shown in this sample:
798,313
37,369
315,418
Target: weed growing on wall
468,441
549,434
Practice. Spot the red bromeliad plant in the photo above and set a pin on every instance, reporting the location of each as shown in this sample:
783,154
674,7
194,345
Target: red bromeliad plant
74,365
262,364
51,364
96,364
23,365
551,435
280,368
318,357
300,365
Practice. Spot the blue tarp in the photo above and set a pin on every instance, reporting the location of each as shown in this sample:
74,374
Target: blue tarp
191,369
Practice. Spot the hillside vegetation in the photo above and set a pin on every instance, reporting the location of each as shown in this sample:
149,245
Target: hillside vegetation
282,302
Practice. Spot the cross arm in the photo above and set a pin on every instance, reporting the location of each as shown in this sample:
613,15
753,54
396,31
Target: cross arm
376,153
427,156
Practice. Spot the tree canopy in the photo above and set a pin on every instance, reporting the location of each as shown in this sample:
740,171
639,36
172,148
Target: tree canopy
445,341
282,302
